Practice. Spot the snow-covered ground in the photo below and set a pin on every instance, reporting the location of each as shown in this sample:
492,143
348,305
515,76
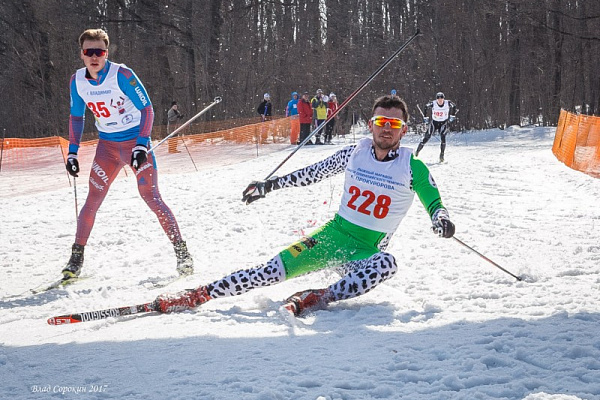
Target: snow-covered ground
450,325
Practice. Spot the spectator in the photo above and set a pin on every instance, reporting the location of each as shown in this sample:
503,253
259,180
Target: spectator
173,117
305,114
292,106
332,106
320,111
265,108
292,111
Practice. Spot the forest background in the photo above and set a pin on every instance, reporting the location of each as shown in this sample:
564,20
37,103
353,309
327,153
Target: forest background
503,62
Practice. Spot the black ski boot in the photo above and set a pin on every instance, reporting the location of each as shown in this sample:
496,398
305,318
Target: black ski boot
73,268
419,148
185,264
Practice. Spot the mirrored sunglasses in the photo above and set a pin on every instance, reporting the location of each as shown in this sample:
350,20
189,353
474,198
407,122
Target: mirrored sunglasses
395,123
94,52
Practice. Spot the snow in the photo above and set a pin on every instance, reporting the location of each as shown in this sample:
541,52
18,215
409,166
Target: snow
449,325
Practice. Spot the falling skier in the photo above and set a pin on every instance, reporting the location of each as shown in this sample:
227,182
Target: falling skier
442,111
381,178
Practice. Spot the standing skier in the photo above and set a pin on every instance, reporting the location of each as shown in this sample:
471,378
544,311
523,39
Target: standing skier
124,137
442,111
381,179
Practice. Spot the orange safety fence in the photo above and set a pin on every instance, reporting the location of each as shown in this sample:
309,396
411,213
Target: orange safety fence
39,164
577,142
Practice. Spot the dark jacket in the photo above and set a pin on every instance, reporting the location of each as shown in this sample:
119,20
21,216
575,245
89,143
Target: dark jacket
265,108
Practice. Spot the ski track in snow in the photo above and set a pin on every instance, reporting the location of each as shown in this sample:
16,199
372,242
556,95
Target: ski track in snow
449,325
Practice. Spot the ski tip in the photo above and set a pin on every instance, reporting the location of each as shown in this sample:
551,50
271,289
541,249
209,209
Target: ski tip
61,320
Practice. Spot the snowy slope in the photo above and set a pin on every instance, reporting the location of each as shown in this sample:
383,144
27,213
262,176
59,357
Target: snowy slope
449,325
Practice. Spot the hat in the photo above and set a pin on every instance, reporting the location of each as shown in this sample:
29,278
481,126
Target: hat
331,95
393,92
319,90
439,95
173,103
305,93
267,96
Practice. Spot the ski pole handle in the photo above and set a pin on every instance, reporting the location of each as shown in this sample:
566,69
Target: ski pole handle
217,100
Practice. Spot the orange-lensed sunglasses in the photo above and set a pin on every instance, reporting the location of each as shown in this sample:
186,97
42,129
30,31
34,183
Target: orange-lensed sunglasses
94,52
380,120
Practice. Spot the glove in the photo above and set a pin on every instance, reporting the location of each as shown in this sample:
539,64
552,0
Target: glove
72,164
441,224
452,118
139,155
257,190
426,120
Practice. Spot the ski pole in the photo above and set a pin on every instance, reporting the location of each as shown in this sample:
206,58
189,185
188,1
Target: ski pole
75,193
345,102
422,115
487,259
217,100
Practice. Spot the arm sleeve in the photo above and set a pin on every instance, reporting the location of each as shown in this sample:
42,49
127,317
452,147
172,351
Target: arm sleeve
314,173
453,109
131,85
146,123
76,118
424,186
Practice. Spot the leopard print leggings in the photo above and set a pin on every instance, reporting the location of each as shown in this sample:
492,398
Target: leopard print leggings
359,277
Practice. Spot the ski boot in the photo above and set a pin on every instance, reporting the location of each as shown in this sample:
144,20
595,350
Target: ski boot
186,300
185,263
73,268
419,148
307,300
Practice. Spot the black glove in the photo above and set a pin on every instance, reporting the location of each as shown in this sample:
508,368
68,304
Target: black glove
139,155
72,164
257,190
441,224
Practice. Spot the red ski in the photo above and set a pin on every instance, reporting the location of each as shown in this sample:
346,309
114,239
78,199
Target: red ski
102,314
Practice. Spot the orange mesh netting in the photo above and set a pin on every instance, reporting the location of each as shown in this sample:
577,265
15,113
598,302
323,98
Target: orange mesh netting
577,142
39,164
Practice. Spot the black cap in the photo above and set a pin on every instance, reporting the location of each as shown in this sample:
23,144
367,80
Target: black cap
173,103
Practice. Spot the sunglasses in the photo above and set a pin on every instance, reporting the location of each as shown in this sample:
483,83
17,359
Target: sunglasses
395,123
94,52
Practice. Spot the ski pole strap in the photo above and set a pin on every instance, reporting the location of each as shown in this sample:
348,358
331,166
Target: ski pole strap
217,100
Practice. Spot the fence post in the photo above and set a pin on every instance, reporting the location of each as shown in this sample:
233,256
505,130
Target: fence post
2,149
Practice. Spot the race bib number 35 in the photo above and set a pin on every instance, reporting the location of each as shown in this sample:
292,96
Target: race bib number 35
99,109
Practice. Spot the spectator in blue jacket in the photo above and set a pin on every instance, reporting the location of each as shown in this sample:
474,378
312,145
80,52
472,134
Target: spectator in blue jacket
292,106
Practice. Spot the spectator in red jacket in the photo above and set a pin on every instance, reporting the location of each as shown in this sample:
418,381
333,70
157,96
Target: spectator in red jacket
332,106
305,112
